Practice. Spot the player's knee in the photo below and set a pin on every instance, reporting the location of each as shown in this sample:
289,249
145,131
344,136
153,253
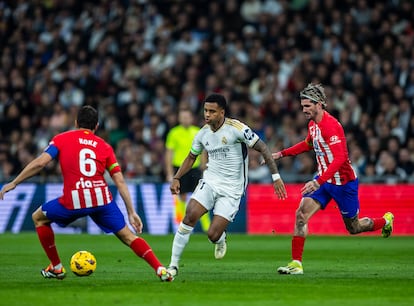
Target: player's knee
300,220
37,220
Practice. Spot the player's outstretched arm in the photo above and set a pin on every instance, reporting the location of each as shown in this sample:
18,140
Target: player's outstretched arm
278,184
33,168
133,217
184,168
277,155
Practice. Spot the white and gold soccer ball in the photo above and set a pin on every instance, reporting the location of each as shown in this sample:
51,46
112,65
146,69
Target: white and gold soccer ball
83,263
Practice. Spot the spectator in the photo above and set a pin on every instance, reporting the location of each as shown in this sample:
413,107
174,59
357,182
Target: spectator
388,170
405,161
71,95
162,58
187,44
254,52
250,10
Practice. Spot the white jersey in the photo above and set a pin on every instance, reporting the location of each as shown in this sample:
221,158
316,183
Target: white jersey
227,163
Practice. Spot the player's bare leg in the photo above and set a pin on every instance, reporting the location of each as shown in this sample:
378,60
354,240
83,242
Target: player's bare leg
216,234
307,208
180,202
355,225
47,239
193,213
142,249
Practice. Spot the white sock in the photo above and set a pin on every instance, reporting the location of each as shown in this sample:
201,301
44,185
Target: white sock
57,267
221,239
181,238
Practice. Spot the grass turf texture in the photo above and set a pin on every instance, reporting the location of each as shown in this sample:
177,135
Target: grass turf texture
359,270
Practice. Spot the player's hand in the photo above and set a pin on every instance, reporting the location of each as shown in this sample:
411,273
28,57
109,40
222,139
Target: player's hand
136,222
280,189
6,188
275,156
169,178
175,186
310,187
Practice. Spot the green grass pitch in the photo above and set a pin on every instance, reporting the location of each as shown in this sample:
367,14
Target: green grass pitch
358,270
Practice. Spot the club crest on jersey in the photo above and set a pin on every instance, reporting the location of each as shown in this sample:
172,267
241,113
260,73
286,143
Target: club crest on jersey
312,131
224,140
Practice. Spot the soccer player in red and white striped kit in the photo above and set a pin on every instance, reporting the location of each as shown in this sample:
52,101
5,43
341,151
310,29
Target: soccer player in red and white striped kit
84,158
335,179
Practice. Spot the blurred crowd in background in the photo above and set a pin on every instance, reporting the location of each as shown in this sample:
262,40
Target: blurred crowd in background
137,61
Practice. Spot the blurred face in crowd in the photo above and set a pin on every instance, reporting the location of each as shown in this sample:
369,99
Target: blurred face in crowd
213,115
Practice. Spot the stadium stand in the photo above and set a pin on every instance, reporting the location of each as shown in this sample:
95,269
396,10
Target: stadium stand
137,60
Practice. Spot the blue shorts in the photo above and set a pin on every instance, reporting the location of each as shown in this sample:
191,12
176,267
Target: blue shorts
346,196
108,217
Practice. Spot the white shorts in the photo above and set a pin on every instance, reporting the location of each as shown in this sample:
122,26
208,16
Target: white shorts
221,205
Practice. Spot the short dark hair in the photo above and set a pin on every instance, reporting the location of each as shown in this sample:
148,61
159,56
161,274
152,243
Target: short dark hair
217,98
87,117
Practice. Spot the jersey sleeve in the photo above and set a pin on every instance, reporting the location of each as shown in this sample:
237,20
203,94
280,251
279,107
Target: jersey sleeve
337,146
197,146
52,150
112,164
53,147
296,149
248,136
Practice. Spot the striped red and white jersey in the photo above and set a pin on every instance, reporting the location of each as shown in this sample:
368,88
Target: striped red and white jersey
83,158
327,139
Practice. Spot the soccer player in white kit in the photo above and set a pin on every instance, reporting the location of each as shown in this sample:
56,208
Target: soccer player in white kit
225,179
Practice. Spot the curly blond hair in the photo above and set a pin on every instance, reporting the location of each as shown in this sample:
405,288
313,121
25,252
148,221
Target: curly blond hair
314,92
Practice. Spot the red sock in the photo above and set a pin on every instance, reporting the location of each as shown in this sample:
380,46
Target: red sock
47,240
378,223
298,243
142,249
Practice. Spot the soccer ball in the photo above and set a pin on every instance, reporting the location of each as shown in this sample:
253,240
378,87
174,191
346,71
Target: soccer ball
83,263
